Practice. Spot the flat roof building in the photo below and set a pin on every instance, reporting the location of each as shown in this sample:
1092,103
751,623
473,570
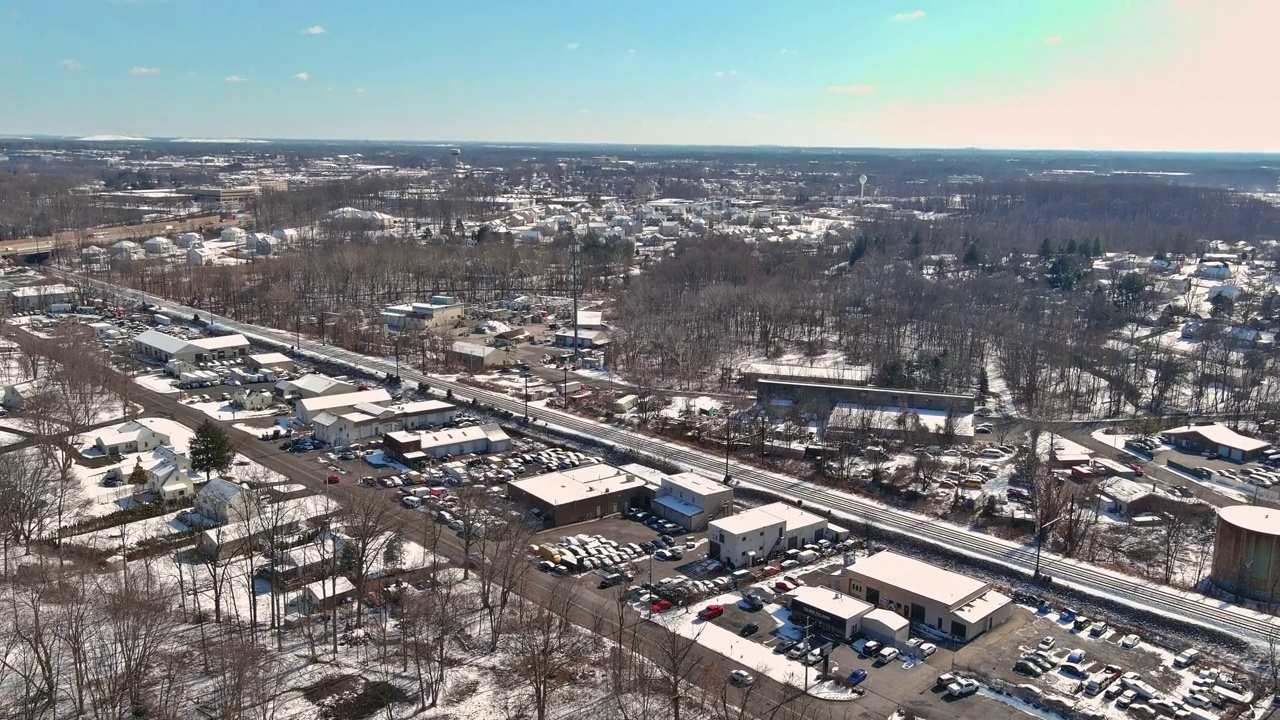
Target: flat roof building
753,536
579,494
311,407
413,447
366,421
829,613
1217,438
691,501
949,602
162,347
313,385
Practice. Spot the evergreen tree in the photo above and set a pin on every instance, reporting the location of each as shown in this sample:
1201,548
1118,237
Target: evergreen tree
984,383
1096,249
393,554
1046,249
917,246
972,256
1070,249
138,476
211,449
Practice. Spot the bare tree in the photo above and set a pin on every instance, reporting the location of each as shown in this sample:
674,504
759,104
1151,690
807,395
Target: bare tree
546,647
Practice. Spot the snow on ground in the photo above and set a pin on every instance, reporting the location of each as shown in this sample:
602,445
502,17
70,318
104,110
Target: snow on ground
1062,445
696,405
747,651
120,537
8,438
157,382
222,410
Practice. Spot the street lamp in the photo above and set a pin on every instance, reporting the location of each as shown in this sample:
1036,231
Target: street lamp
1040,542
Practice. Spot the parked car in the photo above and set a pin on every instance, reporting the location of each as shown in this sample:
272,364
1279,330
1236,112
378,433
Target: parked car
886,656
333,480
1047,643
927,649
661,606
962,687
785,646
1077,656
1126,699
857,676
741,677
871,647
711,611
749,629
1130,641
1028,668
1099,628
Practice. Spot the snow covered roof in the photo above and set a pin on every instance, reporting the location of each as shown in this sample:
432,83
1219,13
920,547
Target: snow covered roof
220,491
1220,434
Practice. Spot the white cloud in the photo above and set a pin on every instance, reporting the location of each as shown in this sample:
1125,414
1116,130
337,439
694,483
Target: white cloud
236,79
359,91
851,89
908,17
719,73
302,76
788,51
144,71
584,111
1053,39
315,30
71,64
571,46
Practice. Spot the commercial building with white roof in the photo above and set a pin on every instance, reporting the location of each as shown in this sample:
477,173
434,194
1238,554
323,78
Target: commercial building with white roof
366,420
310,408
412,448
162,347
1217,438
578,494
949,602
691,501
752,536
827,612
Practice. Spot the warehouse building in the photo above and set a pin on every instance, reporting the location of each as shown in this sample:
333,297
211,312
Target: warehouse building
309,408
414,447
578,494
691,501
313,385
161,347
751,537
366,421
922,593
826,612
1216,438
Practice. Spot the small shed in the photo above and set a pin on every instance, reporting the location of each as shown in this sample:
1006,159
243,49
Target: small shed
886,626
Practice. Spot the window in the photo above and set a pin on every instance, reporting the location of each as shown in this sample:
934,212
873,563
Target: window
855,587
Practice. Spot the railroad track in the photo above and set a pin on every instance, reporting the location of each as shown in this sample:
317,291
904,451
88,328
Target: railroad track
1158,599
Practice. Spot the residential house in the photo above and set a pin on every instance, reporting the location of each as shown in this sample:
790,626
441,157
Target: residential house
92,256
158,246
170,476
1215,270
200,256
187,239
224,501
253,400
233,235
131,437
34,297
17,396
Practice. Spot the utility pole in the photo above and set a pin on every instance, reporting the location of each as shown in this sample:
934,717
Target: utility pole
1040,543
574,247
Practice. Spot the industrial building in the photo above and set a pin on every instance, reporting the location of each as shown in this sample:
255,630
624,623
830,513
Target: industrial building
1246,553
309,408
691,501
313,385
826,612
949,602
474,358
441,311
270,361
578,494
161,347
751,537
853,410
366,421
413,447
1216,438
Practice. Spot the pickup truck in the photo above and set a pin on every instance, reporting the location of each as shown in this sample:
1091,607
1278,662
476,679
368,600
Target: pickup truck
962,687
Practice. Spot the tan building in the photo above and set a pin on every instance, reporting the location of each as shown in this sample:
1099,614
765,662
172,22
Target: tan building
922,593
690,500
753,536
582,493
474,358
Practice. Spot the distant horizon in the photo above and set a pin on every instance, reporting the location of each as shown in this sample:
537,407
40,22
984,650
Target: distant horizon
89,139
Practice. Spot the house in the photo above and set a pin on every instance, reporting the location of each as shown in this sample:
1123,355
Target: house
310,408
92,255
474,358
947,602
162,347
233,235
223,501
753,536
1230,292
1214,270
131,437
285,235
200,256
511,337
440,311
322,595
169,475
125,247
158,246
318,556
253,400
35,297
586,339
1215,438
187,239
1192,330
313,385
17,396
266,244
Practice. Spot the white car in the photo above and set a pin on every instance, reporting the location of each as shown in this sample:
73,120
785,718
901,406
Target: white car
741,677
1130,641
886,656
1047,643
928,649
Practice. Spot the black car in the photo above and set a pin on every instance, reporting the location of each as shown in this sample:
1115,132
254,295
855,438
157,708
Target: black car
785,646
749,629
667,539
752,603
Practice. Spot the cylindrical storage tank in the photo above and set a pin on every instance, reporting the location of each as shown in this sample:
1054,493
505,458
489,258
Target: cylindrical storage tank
1246,553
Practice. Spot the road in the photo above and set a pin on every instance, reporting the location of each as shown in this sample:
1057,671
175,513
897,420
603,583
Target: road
1177,605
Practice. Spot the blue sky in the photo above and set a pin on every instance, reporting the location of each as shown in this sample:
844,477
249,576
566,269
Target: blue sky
1112,74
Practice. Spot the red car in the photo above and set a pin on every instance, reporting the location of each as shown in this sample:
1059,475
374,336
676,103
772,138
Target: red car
1137,469
781,587
711,611
333,480
661,606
